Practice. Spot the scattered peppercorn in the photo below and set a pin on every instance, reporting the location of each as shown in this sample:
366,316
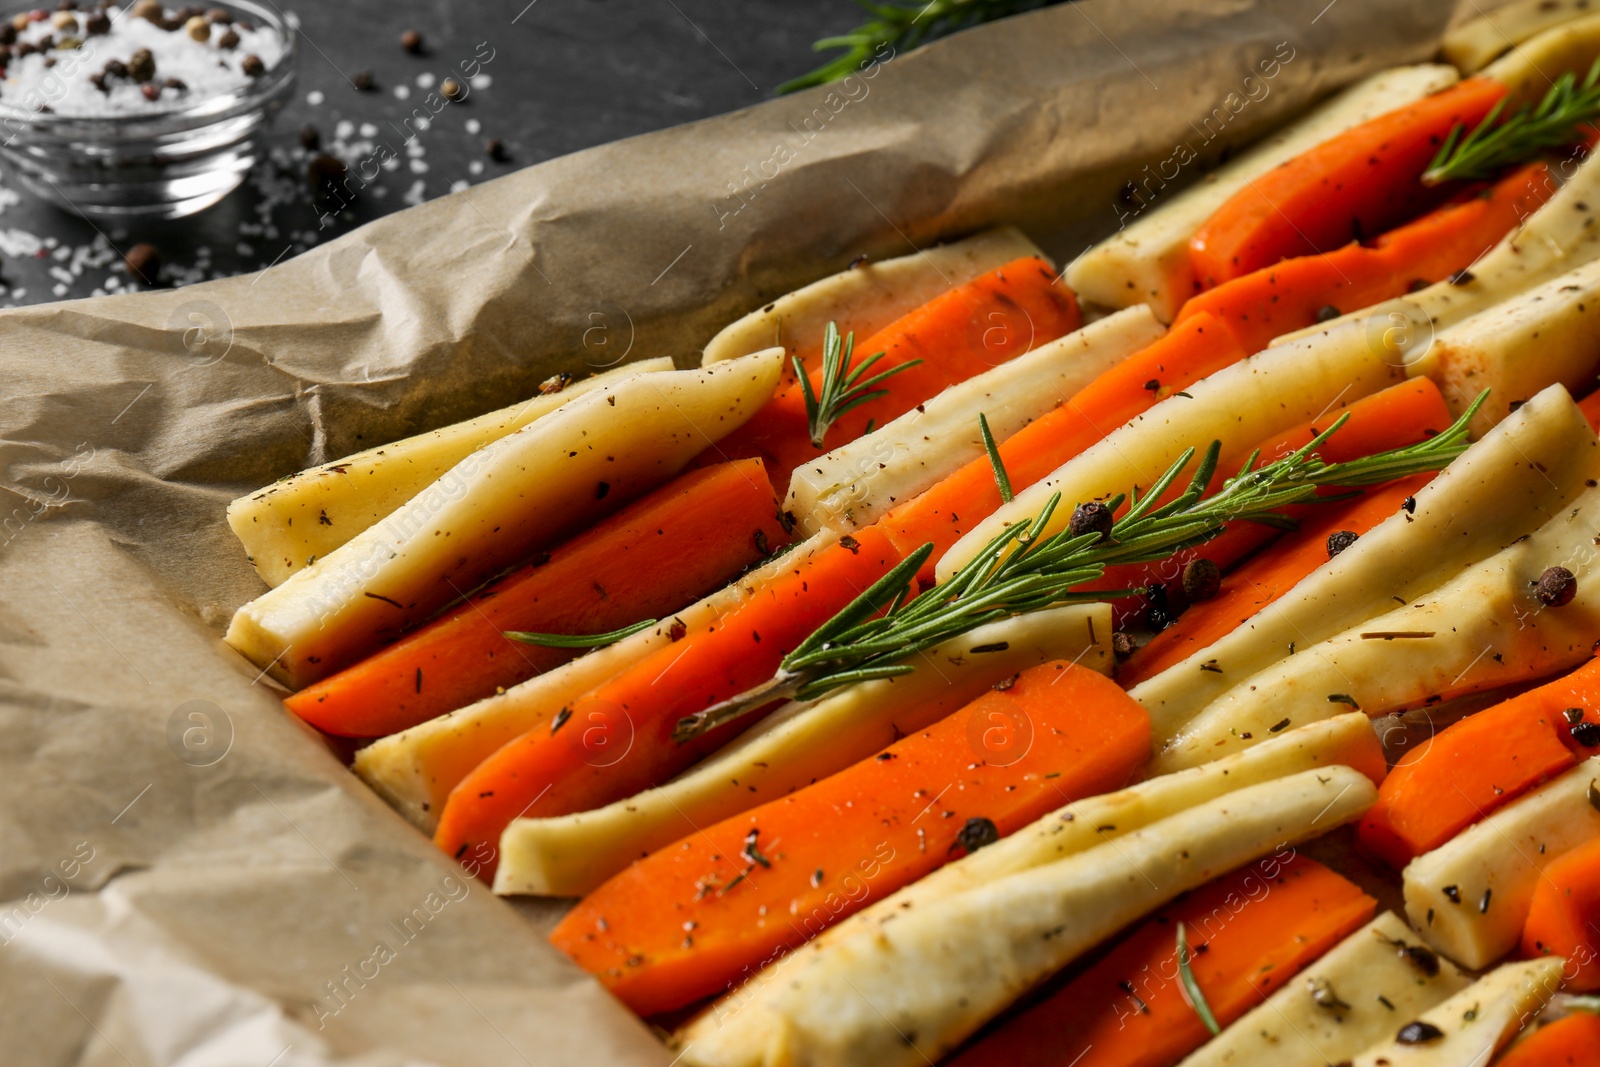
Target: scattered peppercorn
323,173
411,41
252,66
148,9
496,149
198,28
310,137
1202,579
65,21
362,80
1092,517
1340,540
144,262
221,16
977,833
1327,313
1418,1033
8,33
1122,645
1586,734
1417,285
1159,612
1462,277
141,65
177,85
228,41
151,91
1409,504
1556,587
116,68
452,90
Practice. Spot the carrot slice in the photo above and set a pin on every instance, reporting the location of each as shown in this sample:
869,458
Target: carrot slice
617,740
1363,181
1192,350
1564,918
962,333
1402,414
1291,295
1571,1041
1473,767
691,919
649,559
1590,406
1248,933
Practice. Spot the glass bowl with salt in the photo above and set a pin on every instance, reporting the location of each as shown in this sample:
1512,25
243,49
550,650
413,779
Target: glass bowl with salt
148,110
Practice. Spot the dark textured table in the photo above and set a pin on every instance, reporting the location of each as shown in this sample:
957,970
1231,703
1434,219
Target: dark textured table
556,76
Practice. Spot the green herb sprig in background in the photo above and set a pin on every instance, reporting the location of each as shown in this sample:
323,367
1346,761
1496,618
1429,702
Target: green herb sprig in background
1494,145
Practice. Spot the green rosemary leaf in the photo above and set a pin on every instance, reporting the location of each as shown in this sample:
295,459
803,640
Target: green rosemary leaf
843,389
579,640
1001,479
1191,988
1494,144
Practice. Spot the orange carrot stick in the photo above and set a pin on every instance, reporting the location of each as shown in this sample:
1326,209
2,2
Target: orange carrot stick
1400,415
649,559
1363,181
617,739
1291,295
1564,918
1472,767
1571,1041
690,920
1190,351
964,332
1247,934
1590,406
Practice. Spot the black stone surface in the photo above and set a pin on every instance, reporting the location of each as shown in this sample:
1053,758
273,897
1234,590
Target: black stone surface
565,75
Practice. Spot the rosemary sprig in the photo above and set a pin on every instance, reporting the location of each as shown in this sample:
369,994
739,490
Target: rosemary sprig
900,25
1493,145
1191,988
1022,570
579,640
1002,480
843,387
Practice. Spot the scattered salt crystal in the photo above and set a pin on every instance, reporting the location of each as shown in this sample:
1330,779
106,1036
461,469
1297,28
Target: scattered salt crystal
344,129
315,98
414,195
425,80
418,167
482,81
402,92
475,167
459,184
473,126
59,290
369,129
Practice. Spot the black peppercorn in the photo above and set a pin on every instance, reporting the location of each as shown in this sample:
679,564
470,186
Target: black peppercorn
1416,285
310,138
324,173
1340,540
96,24
977,833
411,41
1122,645
362,80
1160,612
1462,277
228,41
116,68
1091,517
496,148
177,85
1556,587
144,262
220,16
8,33
141,65
1202,579
1586,734
1418,1033
452,90
252,66
1327,313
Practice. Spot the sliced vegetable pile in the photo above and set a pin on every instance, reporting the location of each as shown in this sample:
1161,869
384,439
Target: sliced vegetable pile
951,669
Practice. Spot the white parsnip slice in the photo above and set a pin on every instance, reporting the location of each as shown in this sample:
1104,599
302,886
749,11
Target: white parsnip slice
499,504
1476,1022
1561,236
1478,42
1470,896
1558,320
1239,406
414,770
867,297
1147,261
296,520
1482,629
1529,69
855,484
793,747
1352,998
1069,831
1474,507
911,990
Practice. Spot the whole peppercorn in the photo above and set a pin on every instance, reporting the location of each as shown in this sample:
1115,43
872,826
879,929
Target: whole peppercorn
65,21
1122,645
26,48
151,91
221,16
1585,733
411,41
496,148
362,80
977,833
148,9
1340,540
5,54
144,262
198,28
1327,313
116,68
1202,579
1092,517
8,33
228,41
452,90
252,66
1556,587
1418,1033
323,174
1160,611
142,65
19,22
310,137
177,85
97,23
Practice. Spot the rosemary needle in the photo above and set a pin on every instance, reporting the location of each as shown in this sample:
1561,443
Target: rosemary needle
579,640
1023,570
1493,145
843,388
1191,988
1001,479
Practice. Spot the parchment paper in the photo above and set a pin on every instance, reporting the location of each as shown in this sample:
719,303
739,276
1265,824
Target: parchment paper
191,877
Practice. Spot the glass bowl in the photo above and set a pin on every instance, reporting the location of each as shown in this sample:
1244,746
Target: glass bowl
158,162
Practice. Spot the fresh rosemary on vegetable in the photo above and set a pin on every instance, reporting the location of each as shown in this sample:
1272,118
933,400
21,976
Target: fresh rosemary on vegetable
900,25
1021,570
1493,145
579,640
1002,480
1191,988
843,388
